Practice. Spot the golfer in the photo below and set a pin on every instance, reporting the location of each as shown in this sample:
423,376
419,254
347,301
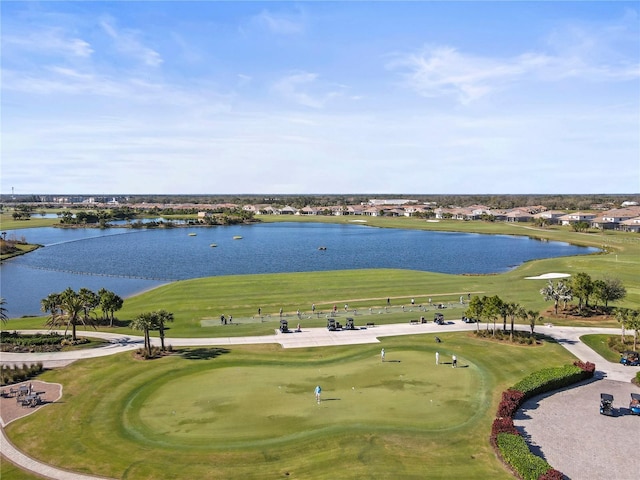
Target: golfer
437,358
382,354
454,361
317,391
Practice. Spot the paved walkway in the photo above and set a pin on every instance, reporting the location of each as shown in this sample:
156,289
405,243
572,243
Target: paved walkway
568,337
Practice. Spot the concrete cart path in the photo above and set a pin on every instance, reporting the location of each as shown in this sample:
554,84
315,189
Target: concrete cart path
568,337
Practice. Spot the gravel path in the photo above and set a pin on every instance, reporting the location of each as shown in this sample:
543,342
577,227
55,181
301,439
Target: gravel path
567,430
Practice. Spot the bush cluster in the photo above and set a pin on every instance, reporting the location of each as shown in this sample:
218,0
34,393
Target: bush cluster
15,374
515,452
505,437
39,342
549,379
511,401
617,344
519,337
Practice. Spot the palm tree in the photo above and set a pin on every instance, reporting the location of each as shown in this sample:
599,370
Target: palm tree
492,310
533,317
622,316
109,303
634,323
162,317
512,311
90,302
4,318
144,322
557,292
70,309
521,313
51,305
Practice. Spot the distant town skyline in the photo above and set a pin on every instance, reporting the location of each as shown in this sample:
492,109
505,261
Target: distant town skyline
314,97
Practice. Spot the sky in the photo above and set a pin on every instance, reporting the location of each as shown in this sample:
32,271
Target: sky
314,97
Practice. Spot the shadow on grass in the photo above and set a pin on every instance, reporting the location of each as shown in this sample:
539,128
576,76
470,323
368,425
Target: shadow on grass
203,353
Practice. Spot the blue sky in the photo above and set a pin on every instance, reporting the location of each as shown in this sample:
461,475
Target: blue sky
320,97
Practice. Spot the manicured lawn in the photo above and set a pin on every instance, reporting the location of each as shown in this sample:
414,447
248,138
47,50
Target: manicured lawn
250,412
599,343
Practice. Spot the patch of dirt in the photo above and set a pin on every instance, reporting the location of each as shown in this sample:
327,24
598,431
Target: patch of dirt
11,410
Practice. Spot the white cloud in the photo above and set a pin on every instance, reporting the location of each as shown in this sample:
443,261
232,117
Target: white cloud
280,23
50,40
127,42
599,54
304,88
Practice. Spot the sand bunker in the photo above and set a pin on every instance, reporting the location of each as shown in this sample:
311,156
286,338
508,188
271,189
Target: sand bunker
547,276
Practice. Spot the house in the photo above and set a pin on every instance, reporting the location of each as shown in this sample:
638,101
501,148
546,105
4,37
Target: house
571,218
631,225
309,211
287,210
518,215
611,219
551,216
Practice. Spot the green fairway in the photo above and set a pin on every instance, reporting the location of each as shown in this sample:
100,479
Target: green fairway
250,412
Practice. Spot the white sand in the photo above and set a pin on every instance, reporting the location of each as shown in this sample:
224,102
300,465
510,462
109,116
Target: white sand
547,276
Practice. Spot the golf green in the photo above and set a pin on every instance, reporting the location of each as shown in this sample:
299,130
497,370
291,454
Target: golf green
407,391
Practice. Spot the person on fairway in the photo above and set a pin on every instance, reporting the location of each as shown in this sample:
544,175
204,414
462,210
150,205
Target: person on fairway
454,361
317,391
382,354
437,358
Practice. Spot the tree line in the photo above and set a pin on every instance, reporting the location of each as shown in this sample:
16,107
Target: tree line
70,308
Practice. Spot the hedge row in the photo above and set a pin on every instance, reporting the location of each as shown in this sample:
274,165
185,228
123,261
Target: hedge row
505,437
515,452
549,379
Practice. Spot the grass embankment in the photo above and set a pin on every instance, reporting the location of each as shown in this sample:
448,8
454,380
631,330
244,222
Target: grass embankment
249,412
36,221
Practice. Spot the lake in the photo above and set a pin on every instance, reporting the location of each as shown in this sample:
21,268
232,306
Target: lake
129,261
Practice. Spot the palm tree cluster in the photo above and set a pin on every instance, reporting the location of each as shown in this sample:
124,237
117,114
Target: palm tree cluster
492,308
71,308
148,321
583,287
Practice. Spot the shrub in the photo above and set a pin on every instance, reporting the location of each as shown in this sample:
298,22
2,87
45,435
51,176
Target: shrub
515,452
511,401
503,425
549,379
14,374
552,474
586,367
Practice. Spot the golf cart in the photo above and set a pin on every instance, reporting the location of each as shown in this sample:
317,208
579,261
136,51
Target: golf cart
634,404
469,320
331,325
284,326
630,358
350,324
438,319
606,404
